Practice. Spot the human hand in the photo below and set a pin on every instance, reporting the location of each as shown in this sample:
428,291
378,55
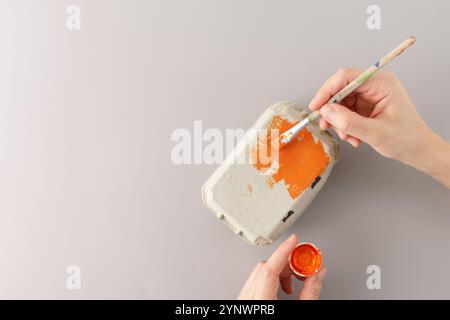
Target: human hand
266,278
380,113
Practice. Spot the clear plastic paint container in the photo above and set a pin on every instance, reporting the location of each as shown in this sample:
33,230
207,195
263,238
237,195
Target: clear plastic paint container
305,260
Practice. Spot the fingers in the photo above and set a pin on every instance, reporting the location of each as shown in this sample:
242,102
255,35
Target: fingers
341,134
333,85
266,277
286,284
349,123
279,258
373,90
355,142
250,281
324,125
312,286
286,280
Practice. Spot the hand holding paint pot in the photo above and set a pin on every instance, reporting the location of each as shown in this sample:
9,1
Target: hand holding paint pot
267,277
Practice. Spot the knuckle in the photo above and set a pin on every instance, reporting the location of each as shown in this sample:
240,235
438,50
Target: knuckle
390,76
315,292
346,123
260,265
376,136
343,71
266,270
375,140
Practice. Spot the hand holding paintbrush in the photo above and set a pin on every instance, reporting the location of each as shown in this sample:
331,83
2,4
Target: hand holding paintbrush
381,114
287,136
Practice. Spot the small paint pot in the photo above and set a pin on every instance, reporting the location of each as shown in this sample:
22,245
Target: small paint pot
305,260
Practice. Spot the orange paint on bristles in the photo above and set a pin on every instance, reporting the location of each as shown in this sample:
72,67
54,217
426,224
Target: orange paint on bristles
300,161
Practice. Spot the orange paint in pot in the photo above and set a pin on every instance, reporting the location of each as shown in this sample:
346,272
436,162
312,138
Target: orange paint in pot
306,260
300,162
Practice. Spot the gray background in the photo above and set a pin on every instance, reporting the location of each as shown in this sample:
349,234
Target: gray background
85,124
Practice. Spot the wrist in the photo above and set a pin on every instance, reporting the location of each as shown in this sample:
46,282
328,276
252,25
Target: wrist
434,158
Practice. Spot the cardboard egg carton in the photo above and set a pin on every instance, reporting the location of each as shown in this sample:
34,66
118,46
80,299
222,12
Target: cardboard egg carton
240,196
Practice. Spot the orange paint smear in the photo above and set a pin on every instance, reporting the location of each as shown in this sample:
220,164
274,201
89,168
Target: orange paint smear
306,260
300,162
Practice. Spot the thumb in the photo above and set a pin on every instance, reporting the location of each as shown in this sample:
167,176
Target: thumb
350,122
312,286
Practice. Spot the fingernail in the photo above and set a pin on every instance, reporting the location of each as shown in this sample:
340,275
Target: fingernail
291,237
327,111
353,144
322,274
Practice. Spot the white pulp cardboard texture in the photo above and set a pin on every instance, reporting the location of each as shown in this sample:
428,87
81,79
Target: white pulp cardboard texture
262,215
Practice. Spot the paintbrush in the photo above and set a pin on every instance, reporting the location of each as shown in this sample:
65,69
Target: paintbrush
288,135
